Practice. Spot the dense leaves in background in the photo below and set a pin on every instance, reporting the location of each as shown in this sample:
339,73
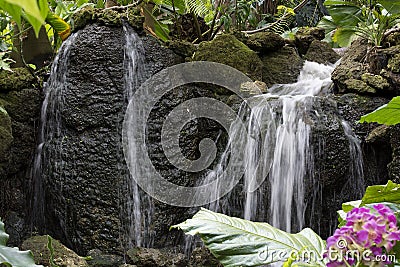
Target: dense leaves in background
12,256
367,18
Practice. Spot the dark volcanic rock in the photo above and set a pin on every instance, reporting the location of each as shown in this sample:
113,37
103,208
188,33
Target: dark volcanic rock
20,110
321,52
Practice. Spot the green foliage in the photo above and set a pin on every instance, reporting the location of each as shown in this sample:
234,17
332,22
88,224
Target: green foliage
382,193
388,195
388,114
12,256
350,19
5,62
238,242
34,11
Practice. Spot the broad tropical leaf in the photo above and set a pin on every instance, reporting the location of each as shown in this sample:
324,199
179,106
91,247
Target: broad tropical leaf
391,6
382,193
31,7
238,242
388,114
345,12
12,256
344,36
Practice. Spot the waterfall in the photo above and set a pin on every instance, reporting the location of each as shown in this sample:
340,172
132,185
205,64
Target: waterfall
50,126
356,175
277,146
139,206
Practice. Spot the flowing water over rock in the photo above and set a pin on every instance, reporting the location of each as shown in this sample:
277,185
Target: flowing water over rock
140,207
50,127
277,147
90,200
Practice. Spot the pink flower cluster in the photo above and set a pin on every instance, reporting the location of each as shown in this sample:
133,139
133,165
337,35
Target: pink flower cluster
367,237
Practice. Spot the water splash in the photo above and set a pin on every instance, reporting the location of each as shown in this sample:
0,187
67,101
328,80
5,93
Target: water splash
50,127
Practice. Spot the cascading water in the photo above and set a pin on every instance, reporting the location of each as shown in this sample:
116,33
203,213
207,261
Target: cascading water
140,207
356,174
51,126
277,146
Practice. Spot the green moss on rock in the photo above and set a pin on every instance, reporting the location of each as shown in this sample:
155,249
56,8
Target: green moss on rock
19,79
63,256
375,81
6,137
22,105
282,66
359,87
321,52
394,39
265,42
306,35
182,48
226,49
109,17
394,63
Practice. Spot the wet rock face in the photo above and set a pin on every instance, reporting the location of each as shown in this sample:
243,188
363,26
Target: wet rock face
82,172
84,179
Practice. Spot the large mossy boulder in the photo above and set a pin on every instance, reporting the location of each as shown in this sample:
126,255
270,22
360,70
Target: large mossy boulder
305,36
20,104
226,49
321,52
281,66
18,79
367,70
63,256
263,42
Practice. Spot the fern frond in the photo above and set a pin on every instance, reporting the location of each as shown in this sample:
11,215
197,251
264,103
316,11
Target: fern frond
199,7
285,17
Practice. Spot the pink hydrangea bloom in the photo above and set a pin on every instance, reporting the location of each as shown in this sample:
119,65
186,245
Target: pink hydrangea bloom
369,234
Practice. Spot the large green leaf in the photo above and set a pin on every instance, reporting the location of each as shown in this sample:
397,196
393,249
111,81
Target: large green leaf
344,36
392,6
13,10
388,114
238,242
344,13
382,193
31,7
12,256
